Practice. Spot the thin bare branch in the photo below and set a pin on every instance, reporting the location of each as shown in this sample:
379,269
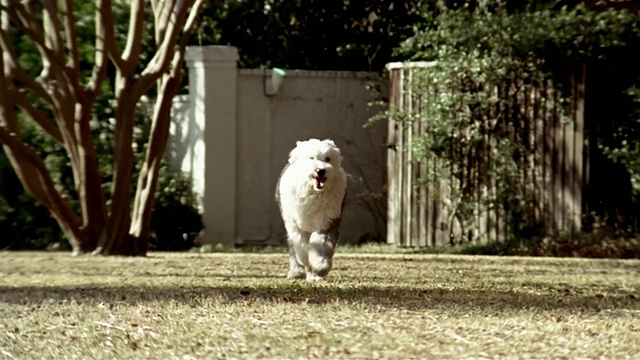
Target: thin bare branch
52,27
52,58
31,183
101,53
161,12
188,26
12,67
27,22
163,56
7,112
36,180
25,13
72,41
131,53
105,21
39,116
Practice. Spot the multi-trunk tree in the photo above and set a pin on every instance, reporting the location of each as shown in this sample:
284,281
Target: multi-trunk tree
61,99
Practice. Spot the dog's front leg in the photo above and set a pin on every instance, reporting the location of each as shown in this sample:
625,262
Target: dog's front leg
322,247
296,270
321,250
297,255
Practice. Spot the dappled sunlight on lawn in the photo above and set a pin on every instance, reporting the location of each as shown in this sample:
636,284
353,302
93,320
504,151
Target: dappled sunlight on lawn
385,305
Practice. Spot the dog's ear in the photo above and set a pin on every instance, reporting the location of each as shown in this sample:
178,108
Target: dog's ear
334,147
295,153
330,142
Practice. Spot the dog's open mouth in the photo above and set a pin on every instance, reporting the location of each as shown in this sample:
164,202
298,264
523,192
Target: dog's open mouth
319,182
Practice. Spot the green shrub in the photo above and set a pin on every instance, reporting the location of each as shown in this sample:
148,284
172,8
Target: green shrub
598,244
491,45
176,221
24,224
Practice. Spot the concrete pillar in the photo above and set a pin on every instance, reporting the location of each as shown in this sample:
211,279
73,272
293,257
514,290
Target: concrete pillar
212,91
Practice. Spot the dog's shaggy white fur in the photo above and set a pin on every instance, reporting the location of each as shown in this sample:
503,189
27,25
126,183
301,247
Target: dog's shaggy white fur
310,193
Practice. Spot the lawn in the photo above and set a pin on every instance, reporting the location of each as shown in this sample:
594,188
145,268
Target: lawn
208,306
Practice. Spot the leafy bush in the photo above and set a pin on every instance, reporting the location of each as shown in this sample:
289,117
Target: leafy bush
479,51
24,224
599,244
628,154
176,221
621,202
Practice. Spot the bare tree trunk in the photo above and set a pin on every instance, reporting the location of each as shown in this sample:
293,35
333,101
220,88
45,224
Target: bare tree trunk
128,229
148,179
29,167
169,85
117,237
91,195
99,229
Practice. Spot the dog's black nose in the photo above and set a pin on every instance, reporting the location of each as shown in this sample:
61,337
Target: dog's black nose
321,172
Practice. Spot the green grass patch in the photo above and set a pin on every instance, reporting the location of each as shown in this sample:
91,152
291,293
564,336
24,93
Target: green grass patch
239,305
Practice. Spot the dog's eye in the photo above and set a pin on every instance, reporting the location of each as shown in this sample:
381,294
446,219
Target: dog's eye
327,159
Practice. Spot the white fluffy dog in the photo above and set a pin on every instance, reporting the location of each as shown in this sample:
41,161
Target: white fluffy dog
310,193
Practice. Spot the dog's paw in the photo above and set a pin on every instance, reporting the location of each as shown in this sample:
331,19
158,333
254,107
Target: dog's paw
311,277
296,274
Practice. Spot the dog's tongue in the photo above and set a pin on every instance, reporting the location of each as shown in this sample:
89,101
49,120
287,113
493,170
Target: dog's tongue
320,182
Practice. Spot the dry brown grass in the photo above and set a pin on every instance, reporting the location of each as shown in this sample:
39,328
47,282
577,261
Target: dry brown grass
207,306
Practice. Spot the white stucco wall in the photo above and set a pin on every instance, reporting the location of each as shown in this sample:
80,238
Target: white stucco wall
235,155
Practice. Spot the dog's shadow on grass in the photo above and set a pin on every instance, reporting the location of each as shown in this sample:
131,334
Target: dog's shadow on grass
395,297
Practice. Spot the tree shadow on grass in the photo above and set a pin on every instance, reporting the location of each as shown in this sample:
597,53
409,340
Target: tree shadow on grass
395,297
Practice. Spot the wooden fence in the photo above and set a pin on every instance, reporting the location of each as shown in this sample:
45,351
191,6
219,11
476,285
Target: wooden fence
551,173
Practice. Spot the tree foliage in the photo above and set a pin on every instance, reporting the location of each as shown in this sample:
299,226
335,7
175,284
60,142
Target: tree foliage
619,140
61,94
311,34
632,5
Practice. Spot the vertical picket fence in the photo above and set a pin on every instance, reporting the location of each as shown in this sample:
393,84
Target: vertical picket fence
552,173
